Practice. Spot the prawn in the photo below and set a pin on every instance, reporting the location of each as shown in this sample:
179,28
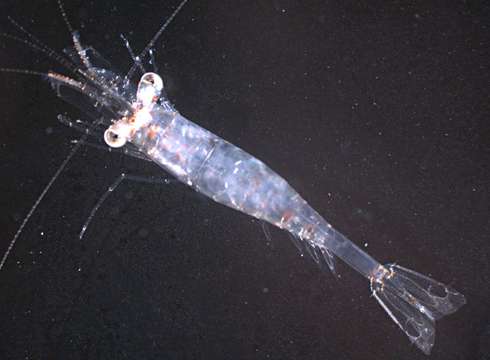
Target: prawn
144,122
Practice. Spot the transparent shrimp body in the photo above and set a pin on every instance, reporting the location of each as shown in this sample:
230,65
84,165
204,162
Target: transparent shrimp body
232,177
228,175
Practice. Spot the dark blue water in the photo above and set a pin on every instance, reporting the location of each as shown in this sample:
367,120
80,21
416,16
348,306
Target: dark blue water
376,114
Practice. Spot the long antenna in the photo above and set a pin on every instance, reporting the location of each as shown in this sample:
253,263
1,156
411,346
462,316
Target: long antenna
75,39
36,44
65,18
39,199
33,39
23,72
152,42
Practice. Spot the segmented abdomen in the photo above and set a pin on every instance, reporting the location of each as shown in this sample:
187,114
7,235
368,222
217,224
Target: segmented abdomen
226,173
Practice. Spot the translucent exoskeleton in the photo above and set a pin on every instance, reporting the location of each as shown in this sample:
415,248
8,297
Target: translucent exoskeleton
141,120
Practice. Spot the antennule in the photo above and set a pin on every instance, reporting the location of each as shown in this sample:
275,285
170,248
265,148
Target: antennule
142,55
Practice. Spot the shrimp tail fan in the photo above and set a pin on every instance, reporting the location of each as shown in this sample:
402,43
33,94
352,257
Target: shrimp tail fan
414,302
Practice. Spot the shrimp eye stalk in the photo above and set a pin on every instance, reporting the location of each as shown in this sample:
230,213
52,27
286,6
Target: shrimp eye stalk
113,138
149,90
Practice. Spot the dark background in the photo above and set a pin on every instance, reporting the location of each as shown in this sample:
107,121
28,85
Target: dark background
377,113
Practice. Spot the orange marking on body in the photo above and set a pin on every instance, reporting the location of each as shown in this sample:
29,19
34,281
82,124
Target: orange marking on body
287,216
308,230
178,156
152,133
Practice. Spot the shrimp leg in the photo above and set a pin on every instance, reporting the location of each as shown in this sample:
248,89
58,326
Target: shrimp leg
113,187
